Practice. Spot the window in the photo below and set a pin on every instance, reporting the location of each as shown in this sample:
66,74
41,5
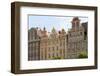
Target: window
85,35
80,33
57,47
53,55
49,55
57,55
53,48
70,34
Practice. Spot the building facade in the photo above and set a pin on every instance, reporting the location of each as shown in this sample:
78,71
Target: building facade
77,39
33,44
44,45
52,46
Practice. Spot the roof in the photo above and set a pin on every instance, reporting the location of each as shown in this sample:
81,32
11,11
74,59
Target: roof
75,18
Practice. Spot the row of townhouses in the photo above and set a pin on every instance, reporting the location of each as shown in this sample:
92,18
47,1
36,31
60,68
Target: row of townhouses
44,45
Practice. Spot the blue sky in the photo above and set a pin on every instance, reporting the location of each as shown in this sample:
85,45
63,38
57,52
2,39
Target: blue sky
58,22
